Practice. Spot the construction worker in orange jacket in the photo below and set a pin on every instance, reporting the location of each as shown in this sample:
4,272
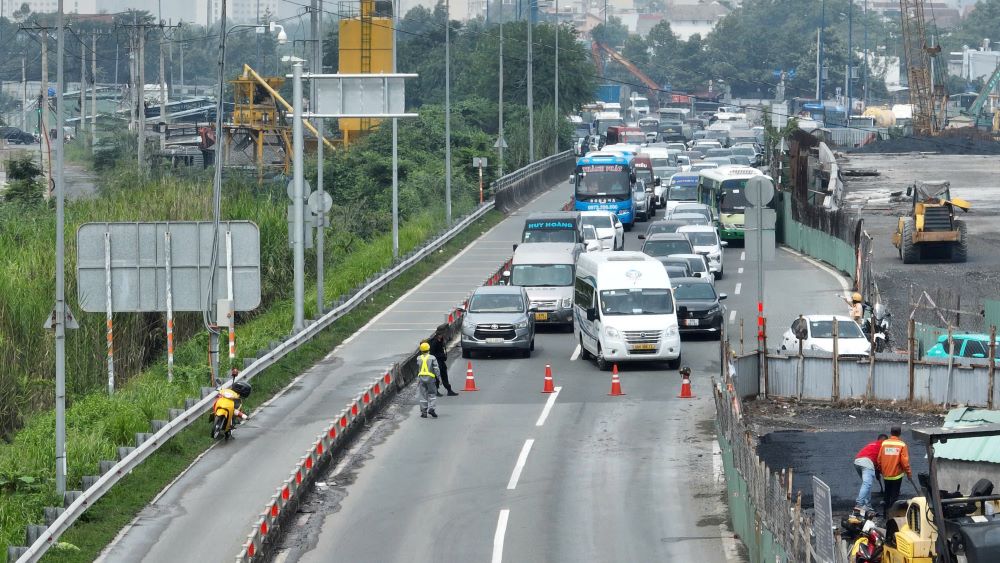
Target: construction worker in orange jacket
894,463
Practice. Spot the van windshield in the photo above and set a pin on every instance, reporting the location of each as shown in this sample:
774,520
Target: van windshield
550,235
637,302
542,275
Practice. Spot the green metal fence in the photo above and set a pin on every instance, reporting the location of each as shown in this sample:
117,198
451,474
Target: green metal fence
815,243
991,312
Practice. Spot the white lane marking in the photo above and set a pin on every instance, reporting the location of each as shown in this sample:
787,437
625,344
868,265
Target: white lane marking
547,408
732,316
498,537
576,354
739,286
822,266
743,255
519,466
739,271
402,297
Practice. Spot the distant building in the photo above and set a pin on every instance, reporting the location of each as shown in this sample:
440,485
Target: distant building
46,6
973,64
688,19
946,15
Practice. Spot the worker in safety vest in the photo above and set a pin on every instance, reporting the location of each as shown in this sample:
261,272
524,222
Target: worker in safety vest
427,374
856,304
894,463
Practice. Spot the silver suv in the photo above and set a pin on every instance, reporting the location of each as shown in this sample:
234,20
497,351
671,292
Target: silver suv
500,317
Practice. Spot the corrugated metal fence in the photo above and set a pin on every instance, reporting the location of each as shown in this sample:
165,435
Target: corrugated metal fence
816,243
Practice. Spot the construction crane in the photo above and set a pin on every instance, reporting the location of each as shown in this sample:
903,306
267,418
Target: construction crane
975,111
654,88
929,99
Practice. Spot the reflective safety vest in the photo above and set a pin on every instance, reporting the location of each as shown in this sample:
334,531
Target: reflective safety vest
425,370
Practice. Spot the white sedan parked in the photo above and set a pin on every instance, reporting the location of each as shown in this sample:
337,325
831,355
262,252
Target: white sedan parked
705,240
817,332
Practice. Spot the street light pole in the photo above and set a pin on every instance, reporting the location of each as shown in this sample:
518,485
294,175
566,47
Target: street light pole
531,97
819,57
500,141
321,135
555,96
865,78
60,310
850,55
447,112
298,209
395,142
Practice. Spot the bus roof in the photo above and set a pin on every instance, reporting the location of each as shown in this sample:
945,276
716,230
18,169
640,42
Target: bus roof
731,172
604,158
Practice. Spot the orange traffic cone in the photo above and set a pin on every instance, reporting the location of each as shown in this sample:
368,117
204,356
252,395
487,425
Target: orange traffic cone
616,383
470,381
549,386
685,384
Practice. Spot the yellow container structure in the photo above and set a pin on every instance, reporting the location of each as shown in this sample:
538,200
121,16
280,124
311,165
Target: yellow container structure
365,48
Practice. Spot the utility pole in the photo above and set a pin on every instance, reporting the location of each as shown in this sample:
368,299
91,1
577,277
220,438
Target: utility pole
142,101
298,254
60,308
164,118
24,93
83,89
850,55
93,90
819,54
531,93
865,77
555,97
500,141
447,112
182,57
321,133
395,143
43,104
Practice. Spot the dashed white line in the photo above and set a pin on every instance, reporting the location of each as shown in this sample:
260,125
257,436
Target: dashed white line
519,466
498,537
576,354
739,271
739,286
732,316
548,407
743,255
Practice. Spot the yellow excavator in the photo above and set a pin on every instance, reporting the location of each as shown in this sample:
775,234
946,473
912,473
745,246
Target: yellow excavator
971,522
931,231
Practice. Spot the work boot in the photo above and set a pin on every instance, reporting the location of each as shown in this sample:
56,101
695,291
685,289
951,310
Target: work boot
452,393
438,393
432,413
423,414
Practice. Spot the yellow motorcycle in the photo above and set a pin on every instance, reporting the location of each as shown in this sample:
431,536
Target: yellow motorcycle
227,408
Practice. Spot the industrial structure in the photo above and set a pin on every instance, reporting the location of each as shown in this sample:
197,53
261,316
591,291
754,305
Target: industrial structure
366,47
926,80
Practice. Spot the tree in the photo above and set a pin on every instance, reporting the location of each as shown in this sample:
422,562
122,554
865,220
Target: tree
612,34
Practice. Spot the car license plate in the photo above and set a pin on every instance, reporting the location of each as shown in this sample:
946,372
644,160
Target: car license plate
494,340
690,322
644,346
541,316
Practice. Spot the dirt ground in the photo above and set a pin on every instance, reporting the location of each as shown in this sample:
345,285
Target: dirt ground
821,440
959,286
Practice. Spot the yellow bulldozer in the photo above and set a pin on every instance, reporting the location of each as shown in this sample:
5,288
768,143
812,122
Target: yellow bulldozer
931,231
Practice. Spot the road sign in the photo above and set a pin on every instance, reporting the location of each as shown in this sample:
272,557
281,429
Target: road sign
500,143
479,162
360,95
759,191
138,265
823,521
751,233
320,202
290,189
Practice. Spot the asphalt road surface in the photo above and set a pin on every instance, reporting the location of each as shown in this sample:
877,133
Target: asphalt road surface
507,473
511,474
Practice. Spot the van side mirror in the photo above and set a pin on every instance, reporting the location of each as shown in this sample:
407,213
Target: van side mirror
593,246
591,314
723,243
722,296
515,247
642,237
571,178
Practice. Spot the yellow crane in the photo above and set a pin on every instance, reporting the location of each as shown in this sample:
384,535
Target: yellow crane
928,98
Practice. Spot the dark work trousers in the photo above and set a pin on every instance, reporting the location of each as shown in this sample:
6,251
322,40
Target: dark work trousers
443,368
892,487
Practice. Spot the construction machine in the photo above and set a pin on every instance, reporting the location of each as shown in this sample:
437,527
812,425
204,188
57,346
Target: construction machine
931,231
913,530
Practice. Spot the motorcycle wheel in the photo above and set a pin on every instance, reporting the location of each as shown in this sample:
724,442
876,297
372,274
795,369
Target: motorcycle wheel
219,426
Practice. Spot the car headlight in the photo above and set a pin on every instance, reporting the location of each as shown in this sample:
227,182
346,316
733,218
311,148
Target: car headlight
672,331
567,303
623,211
611,332
713,310
715,257
522,324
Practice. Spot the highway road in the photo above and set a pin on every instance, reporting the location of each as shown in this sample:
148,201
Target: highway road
511,474
601,478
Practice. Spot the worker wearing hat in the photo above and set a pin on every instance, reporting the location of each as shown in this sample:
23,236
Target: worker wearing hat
427,374
856,303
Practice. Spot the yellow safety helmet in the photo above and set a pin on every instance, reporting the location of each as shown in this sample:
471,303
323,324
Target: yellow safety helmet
425,347
856,297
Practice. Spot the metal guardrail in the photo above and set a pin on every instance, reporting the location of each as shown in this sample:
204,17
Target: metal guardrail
520,186
507,190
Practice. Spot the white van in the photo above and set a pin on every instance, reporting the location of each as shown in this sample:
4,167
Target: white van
623,305
545,271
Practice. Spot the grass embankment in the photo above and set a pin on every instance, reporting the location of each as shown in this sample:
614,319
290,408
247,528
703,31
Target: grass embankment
97,424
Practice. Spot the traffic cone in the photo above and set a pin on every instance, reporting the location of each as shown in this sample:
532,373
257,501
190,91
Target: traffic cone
549,386
470,381
685,386
616,383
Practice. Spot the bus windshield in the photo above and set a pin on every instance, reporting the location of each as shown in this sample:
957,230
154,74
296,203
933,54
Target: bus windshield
602,179
680,192
636,302
645,174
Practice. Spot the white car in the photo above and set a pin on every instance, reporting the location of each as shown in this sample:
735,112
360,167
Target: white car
610,231
698,264
690,207
702,165
817,331
705,241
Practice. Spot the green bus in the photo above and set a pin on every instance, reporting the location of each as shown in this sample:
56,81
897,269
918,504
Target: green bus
722,190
